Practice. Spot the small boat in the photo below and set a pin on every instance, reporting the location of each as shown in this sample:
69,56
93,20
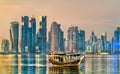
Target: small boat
65,59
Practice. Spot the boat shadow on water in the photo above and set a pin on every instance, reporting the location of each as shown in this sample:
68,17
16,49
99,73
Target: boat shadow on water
64,70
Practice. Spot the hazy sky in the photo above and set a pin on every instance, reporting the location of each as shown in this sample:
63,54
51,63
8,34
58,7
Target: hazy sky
98,15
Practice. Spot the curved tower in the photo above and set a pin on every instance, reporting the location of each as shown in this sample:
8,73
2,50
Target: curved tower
14,36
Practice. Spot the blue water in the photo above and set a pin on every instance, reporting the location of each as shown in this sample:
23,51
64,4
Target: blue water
38,64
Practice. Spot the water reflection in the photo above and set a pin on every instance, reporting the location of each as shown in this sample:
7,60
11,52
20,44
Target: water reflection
41,70
6,64
28,70
64,70
102,64
37,64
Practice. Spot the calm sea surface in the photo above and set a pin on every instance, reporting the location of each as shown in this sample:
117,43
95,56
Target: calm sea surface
38,64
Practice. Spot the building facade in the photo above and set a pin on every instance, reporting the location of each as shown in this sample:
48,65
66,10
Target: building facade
104,42
32,34
24,33
42,34
117,39
14,36
81,41
92,43
56,38
5,45
73,36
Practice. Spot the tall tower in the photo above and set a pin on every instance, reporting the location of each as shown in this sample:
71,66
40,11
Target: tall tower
14,36
29,41
5,45
56,38
104,42
42,34
24,35
72,38
33,34
117,39
93,37
93,42
82,40
61,39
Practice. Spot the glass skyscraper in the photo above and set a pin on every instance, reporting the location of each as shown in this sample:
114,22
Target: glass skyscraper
109,46
56,38
14,36
5,45
32,32
42,34
61,39
29,42
117,39
81,40
24,35
104,42
92,43
73,38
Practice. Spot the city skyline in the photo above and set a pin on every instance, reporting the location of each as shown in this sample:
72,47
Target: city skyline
59,36
32,42
100,16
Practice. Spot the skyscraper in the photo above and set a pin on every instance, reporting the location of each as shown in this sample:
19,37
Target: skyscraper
42,34
5,45
93,37
14,36
109,47
117,39
88,46
32,30
29,41
73,38
61,39
56,38
99,43
81,40
113,45
92,43
49,40
24,35
104,42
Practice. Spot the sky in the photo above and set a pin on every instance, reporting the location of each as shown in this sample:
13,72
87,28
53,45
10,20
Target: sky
90,15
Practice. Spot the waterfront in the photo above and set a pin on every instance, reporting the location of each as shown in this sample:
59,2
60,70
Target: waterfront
38,64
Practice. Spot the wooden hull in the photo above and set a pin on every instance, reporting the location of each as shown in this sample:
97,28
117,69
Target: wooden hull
68,63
